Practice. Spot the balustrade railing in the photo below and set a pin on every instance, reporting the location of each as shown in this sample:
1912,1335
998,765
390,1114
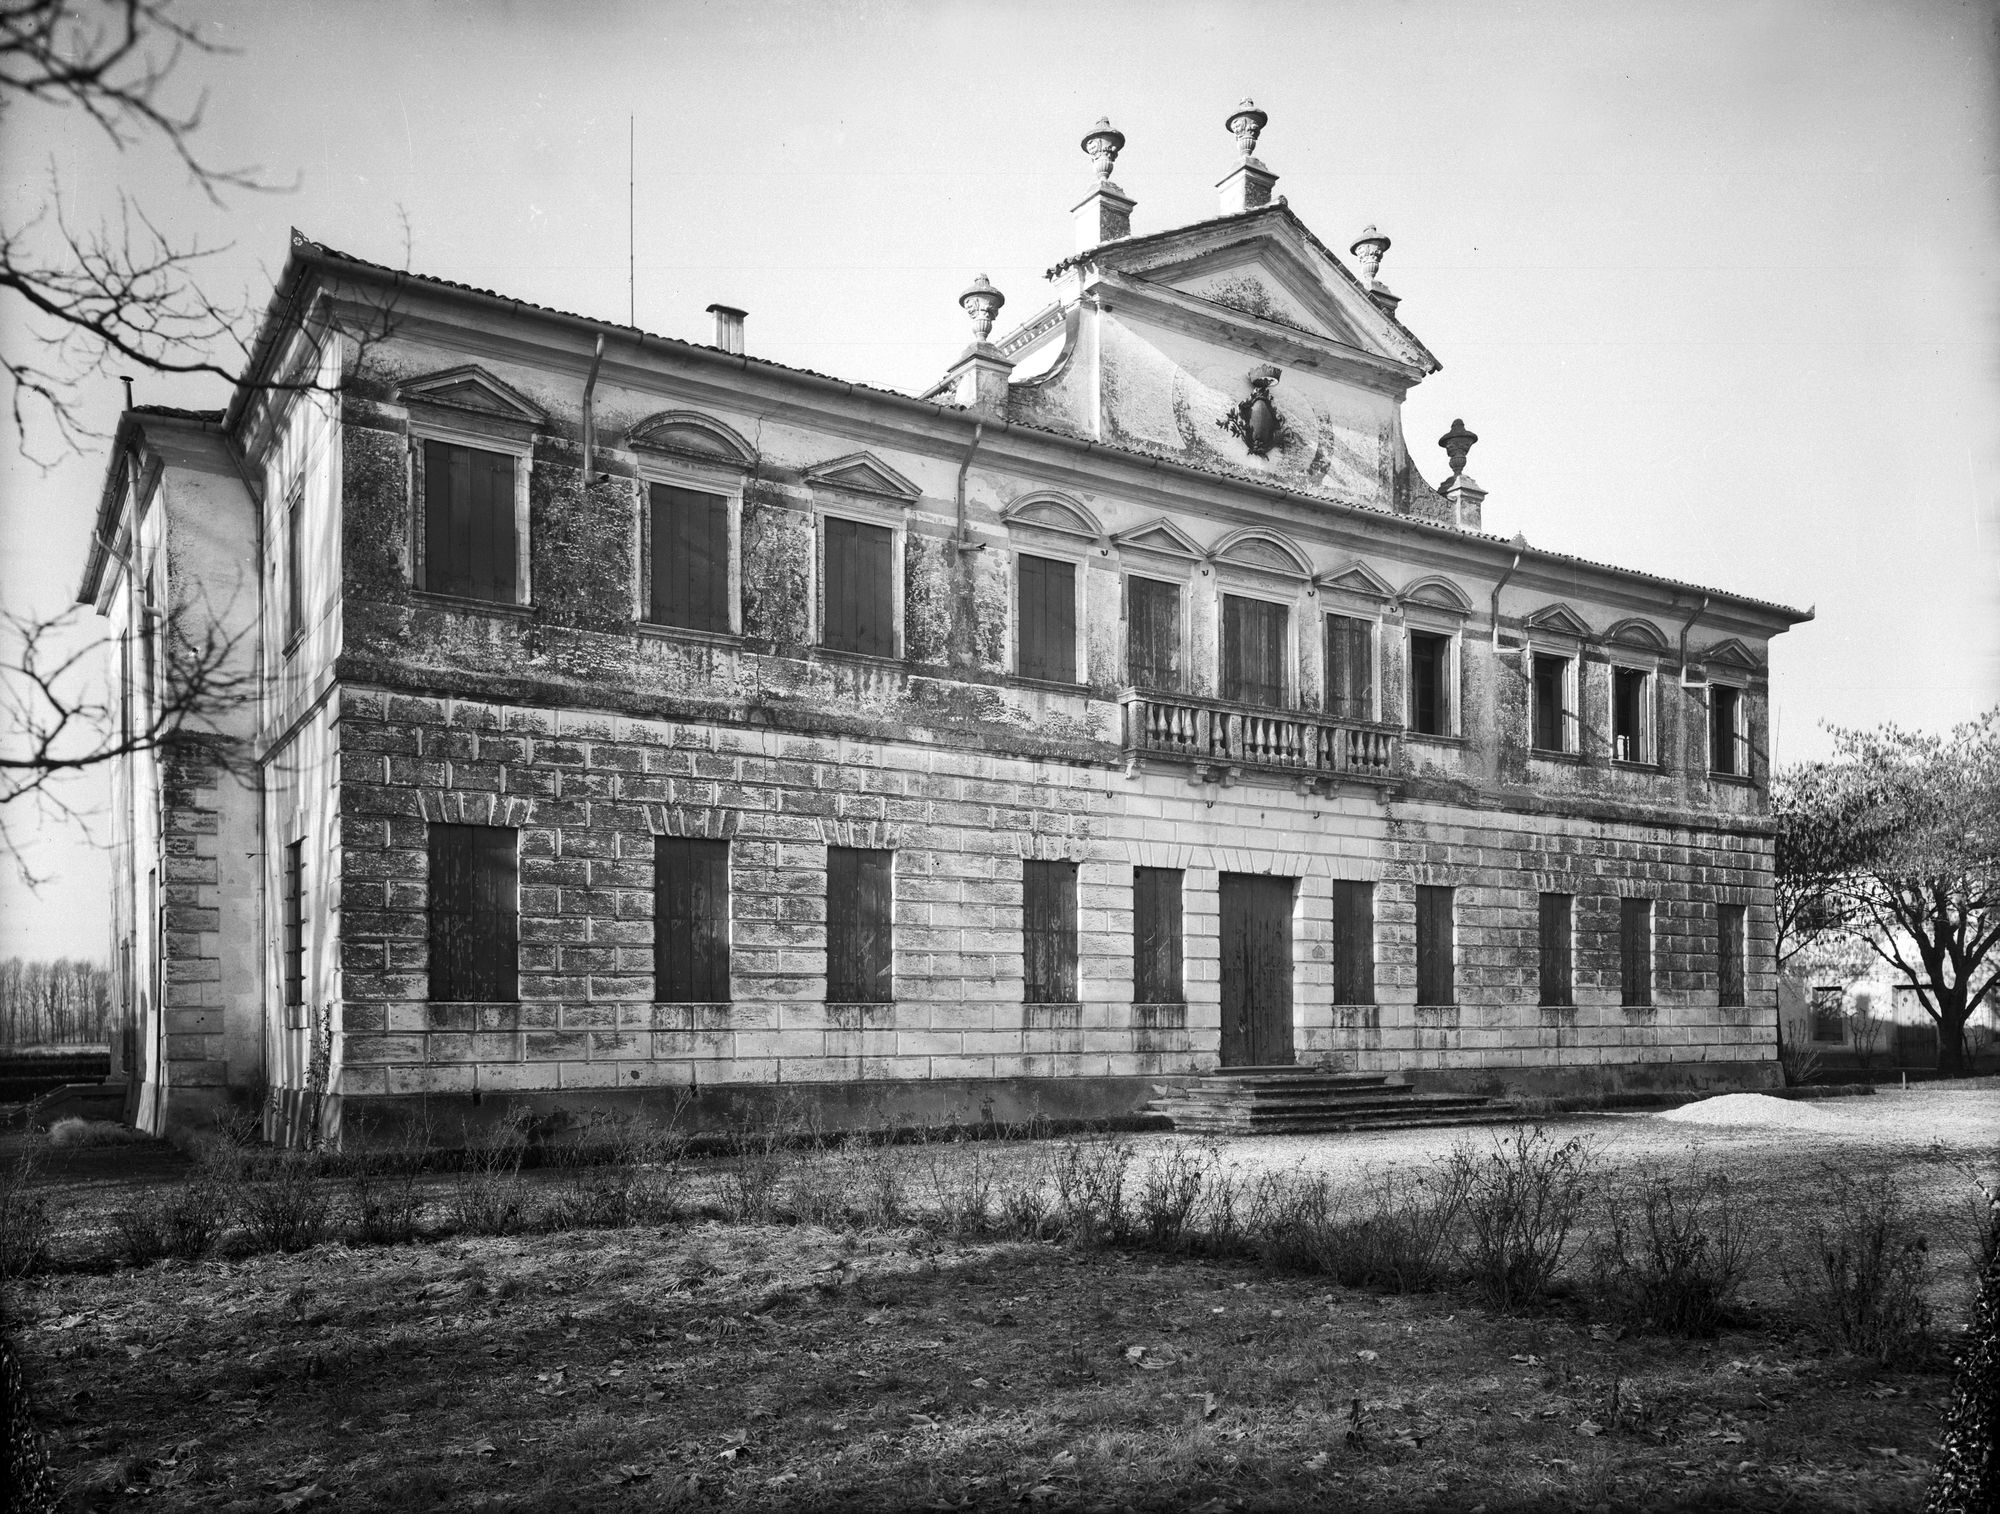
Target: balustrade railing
1291,741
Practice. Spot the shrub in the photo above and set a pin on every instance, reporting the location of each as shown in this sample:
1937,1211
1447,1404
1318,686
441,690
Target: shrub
753,1172
1967,1478
1403,1231
960,1176
1522,1199
1089,1179
75,1131
486,1195
25,1226
1860,1282
181,1221
1171,1190
285,1202
1675,1251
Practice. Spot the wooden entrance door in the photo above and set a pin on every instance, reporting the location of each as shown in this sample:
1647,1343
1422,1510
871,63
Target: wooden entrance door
1256,970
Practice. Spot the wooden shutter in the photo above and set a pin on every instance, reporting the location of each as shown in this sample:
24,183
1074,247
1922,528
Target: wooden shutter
1429,658
1045,611
859,591
1152,634
1635,951
474,914
1550,676
1434,946
1350,668
1353,943
1156,936
860,955
1253,651
294,923
1048,917
690,921
1722,729
690,559
469,546
1557,966
1729,955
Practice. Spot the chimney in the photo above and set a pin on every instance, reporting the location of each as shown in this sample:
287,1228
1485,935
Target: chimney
1248,185
1105,214
728,327
1464,495
1368,250
979,377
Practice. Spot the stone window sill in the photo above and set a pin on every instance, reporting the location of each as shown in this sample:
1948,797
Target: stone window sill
476,606
1548,754
655,631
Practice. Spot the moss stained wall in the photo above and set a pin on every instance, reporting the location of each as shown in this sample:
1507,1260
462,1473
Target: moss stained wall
777,568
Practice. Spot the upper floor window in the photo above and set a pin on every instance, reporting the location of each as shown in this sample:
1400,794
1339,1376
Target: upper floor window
1152,634
1631,715
688,559
475,914
295,580
473,522
1430,683
1350,667
1045,618
1728,731
1253,650
1555,703
858,594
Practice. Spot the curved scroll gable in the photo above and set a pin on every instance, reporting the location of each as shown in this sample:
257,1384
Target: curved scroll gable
1438,593
691,434
470,387
1267,551
1642,635
864,473
1053,511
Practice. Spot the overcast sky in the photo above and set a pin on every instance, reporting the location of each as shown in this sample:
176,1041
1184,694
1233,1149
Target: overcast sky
1715,284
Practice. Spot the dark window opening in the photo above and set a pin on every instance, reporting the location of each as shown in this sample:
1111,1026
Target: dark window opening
1430,662
860,588
1551,678
860,942
1156,936
1729,947
1350,668
1045,613
1724,713
294,923
1048,932
1635,951
1253,651
1628,716
469,541
690,921
1152,634
1434,947
295,576
475,914
1558,972
1829,1017
1353,943
689,567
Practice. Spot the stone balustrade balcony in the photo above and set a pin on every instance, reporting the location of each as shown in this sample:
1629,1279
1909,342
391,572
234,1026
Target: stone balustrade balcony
1219,737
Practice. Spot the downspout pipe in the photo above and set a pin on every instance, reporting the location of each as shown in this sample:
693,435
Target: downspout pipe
965,542
589,414
1700,610
1511,567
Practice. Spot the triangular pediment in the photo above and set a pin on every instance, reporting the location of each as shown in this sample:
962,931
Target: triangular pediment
1358,578
1559,620
1053,512
1730,653
471,388
1161,536
692,434
1264,550
864,473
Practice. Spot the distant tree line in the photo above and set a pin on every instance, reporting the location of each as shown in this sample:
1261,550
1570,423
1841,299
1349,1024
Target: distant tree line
54,1003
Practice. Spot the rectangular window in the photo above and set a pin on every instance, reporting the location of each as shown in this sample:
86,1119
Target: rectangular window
1430,671
860,588
1635,951
689,567
1048,932
1729,955
1156,936
1045,618
469,542
1552,712
1350,667
1631,715
475,914
1558,973
1152,634
690,921
1353,943
1829,1006
860,941
1253,651
295,575
1725,721
293,924
1434,946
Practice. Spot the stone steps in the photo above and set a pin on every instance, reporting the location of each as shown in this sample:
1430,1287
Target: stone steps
1306,1100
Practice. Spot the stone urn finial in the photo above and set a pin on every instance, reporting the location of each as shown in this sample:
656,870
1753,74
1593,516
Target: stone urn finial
1457,442
1368,249
1246,124
1104,142
982,302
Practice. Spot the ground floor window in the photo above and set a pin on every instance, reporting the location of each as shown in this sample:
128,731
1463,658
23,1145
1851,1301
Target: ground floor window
860,941
1156,936
1434,947
690,921
1048,932
474,914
